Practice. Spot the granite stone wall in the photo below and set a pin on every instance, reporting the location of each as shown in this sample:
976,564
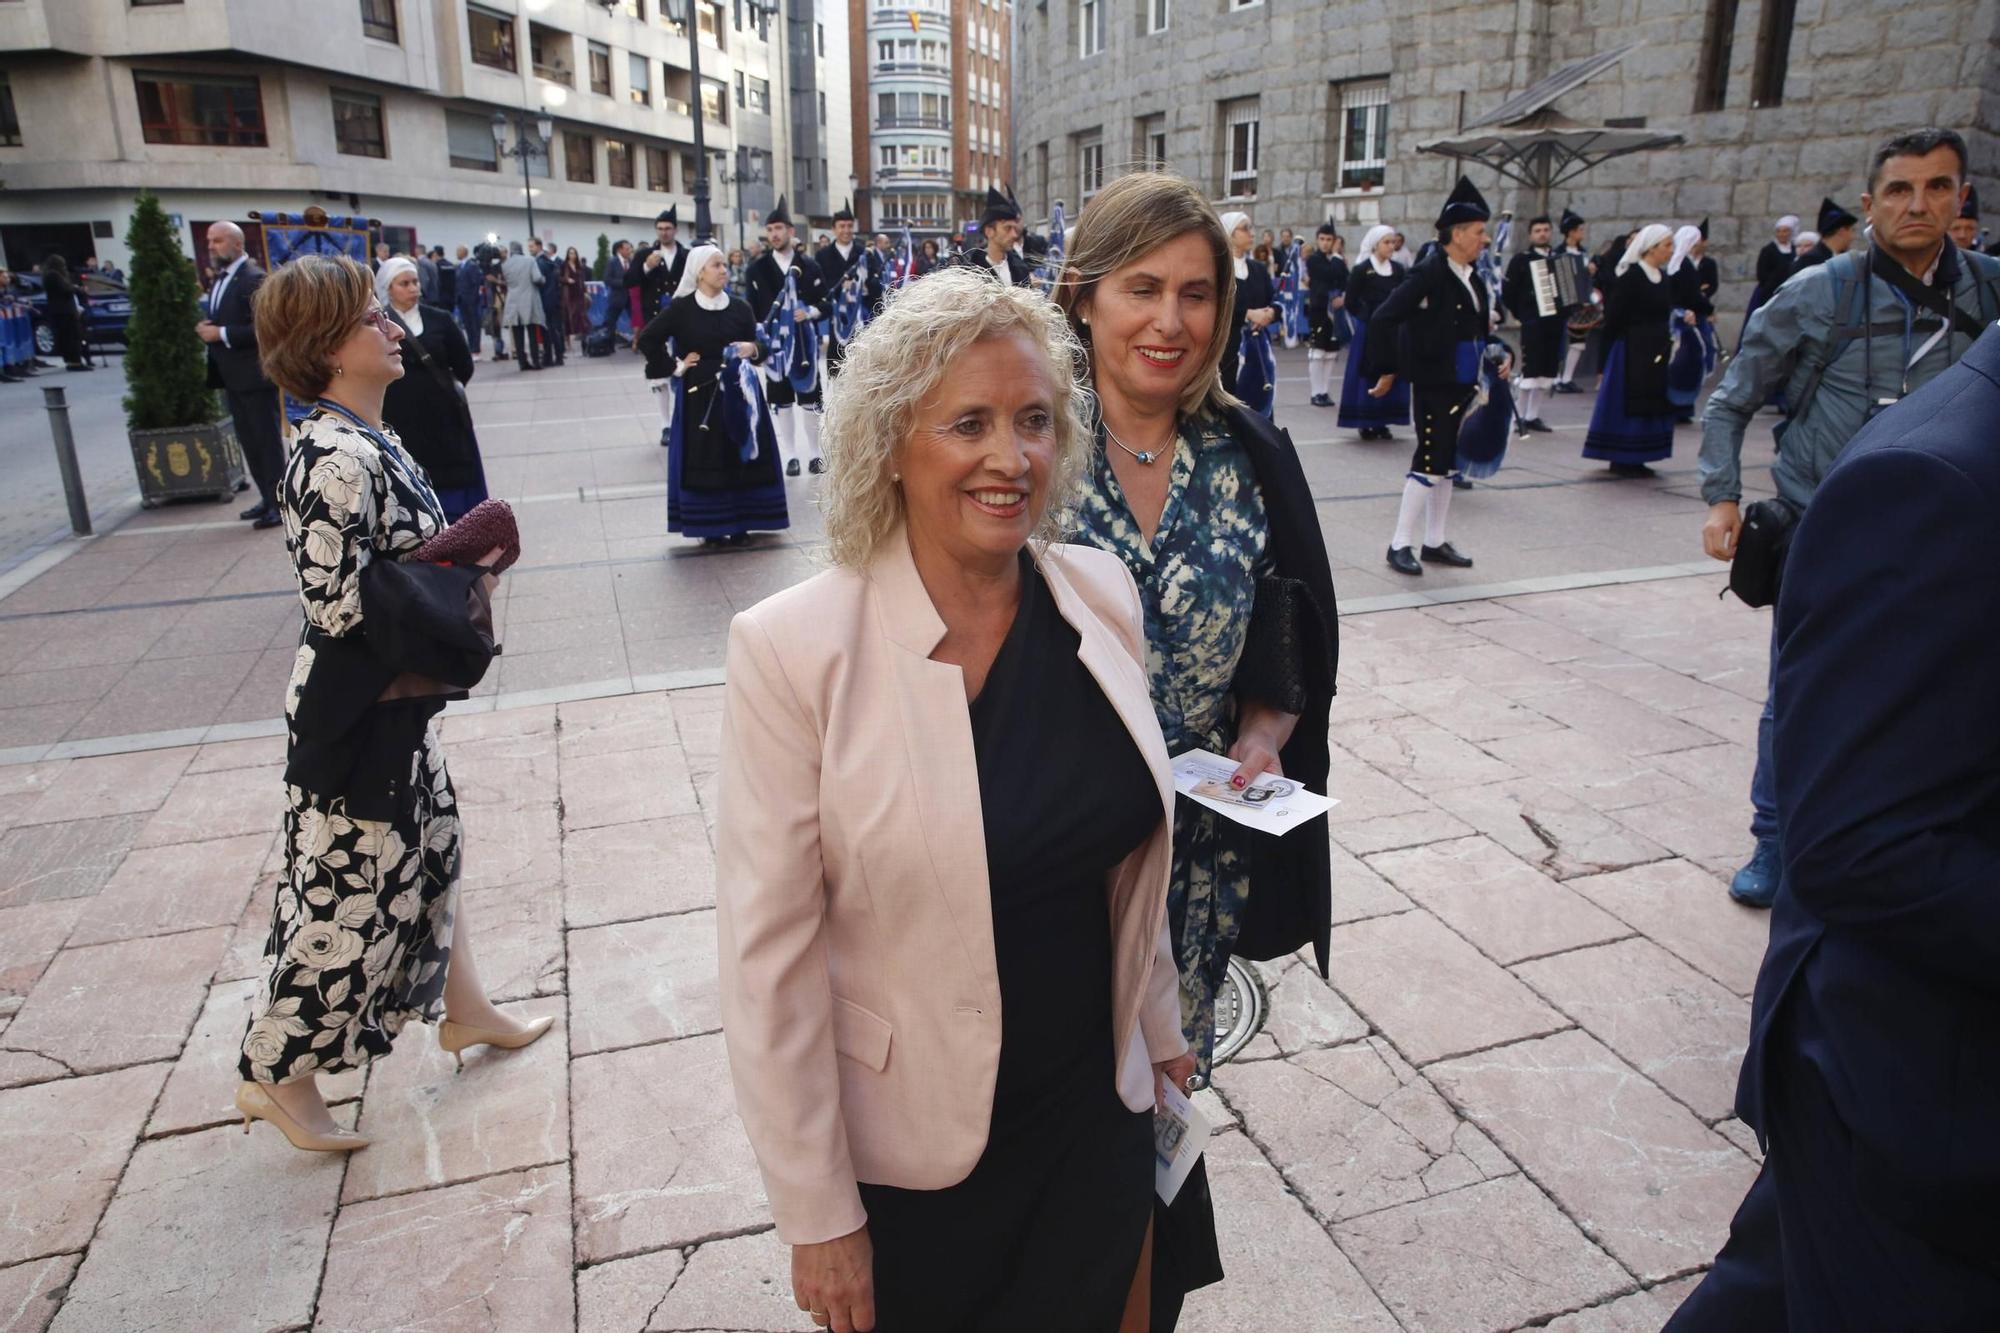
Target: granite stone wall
1859,69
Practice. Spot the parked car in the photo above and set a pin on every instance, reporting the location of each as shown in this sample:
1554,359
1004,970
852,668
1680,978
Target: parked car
109,309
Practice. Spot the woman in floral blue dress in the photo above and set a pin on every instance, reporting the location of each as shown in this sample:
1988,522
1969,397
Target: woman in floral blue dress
1206,504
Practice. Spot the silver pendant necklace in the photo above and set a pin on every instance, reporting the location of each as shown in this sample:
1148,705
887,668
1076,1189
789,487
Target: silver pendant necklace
1143,455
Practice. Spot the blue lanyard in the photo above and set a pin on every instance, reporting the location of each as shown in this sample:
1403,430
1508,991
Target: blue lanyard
404,463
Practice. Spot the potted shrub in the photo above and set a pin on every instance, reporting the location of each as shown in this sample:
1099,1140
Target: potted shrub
182,446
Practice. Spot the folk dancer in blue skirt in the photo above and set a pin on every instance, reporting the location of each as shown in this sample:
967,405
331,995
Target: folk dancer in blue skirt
1374,278
1633,422
722,454
1694,279
1444,316
1326,310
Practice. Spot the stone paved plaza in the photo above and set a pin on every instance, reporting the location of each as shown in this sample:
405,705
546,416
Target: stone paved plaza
1509,1108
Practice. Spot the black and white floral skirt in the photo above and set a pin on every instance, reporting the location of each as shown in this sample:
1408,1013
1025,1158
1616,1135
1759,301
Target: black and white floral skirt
361,933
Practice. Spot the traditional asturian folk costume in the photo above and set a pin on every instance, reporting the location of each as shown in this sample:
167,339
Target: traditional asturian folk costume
1694,282
1573,251
1370,283
792,369
1633,422
1326,315
853,288
1529,291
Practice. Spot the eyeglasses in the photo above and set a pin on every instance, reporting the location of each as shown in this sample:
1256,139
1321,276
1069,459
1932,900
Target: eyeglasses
379,317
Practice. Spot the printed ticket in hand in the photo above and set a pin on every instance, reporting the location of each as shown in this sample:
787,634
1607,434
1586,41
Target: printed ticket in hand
1270,803
1180,1131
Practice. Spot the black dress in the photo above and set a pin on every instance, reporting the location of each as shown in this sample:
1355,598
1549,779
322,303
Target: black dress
1045,1232
1253,292
427,415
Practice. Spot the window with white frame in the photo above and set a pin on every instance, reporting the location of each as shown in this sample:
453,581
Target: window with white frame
1089,27
1089,164
1361,135
889,156
1150,142
1157,13
885,51
1241,131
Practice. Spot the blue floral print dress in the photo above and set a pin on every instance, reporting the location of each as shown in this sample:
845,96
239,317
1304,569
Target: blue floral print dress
361,932
1197,579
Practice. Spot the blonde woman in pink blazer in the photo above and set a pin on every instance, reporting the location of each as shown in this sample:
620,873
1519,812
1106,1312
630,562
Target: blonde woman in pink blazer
943,847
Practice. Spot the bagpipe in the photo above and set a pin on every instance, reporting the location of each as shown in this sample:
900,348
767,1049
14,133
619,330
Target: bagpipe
1256,371
791,348
736,409
1050,272
1489,423
1292,296
17,331
850,305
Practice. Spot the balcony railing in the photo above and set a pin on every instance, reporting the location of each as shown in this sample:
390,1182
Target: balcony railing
941,175
913,123
678,106
930,67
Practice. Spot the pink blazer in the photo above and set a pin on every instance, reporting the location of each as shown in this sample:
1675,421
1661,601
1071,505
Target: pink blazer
860,997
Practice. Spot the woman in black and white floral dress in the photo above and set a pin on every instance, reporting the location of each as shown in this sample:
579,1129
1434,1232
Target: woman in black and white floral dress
366,933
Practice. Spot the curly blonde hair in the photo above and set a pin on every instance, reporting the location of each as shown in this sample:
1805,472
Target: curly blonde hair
897,361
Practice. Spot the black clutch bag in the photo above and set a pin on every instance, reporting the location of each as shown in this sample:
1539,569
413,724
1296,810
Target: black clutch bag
1284,658
1759,563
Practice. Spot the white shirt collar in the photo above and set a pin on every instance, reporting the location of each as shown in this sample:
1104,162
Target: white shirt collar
783,258
1652,274
1242,267
1383,267
719,301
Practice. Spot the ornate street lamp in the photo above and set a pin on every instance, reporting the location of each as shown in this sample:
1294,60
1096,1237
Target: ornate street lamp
525,148
740,177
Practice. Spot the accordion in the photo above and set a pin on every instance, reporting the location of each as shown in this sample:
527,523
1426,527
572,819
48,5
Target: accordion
1545,289
1572,280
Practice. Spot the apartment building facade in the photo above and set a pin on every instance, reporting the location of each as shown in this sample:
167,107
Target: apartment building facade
413,112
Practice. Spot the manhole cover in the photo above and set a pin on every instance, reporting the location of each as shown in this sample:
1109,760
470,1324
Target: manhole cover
1240,1007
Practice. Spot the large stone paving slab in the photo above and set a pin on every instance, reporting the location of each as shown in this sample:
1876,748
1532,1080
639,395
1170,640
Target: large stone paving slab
78,1132
1277,1261
660,1156
622,872
42,863
1508,909
1550,829
1491,1256
1688,912
182,887
1680,1029
1641,1312
158,985
217,1230
1644,1177
621,1296
741,1283
30,1294
432,1125
1357,1129
491,1255
509,846
219,805
505,770
626,785
518,938
1430,992
1303,1012
30,936
120,784
644,981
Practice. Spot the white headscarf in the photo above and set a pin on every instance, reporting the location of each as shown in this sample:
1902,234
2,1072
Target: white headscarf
1368,244
1788,222
697,260
1648,236
1684,242
1804,241
1230,222
386,275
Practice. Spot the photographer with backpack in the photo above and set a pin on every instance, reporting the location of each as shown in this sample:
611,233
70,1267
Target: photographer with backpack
1843,340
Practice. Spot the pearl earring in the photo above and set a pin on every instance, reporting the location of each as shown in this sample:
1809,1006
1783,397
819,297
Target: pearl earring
339,370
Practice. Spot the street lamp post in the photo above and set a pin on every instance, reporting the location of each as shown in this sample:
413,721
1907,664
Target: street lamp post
524,148
739,177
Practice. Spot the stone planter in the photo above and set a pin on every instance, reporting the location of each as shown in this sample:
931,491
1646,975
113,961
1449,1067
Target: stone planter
187,462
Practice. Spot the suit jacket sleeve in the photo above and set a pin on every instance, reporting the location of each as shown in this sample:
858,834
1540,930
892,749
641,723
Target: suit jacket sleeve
1386,325
241,334
777,1000
1888,717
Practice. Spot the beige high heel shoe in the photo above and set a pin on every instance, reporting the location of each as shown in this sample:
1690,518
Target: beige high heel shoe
257,1104
457,1038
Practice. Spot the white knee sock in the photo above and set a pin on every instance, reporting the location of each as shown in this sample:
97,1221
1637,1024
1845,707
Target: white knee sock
1439,506
1529,407
806,423
1415,488
1569,366
781,426
1316,370
666,397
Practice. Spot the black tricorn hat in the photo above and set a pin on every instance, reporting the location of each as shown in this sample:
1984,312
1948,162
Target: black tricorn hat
1570,221
999,208
1970,208
846,213
1466,204
671,215
778,213
1328,229
1703,229
1832,218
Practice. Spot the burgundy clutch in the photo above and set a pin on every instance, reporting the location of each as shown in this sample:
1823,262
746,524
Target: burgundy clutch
488,524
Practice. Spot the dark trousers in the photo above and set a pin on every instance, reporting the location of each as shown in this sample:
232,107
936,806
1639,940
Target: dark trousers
255,413
556,334
468,322
1808,1252
1439,413
524,335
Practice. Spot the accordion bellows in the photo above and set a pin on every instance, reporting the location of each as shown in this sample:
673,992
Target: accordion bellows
488,524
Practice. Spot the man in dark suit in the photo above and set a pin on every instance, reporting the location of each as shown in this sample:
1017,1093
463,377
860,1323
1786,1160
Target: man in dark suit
1873,1072
233,368
552,301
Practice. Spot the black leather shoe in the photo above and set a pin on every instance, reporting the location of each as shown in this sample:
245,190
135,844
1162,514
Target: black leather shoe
1566,387
254,511
1632,470
791,467
1538,425
1404,561
1460,484
1446,554
817,466
268,519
